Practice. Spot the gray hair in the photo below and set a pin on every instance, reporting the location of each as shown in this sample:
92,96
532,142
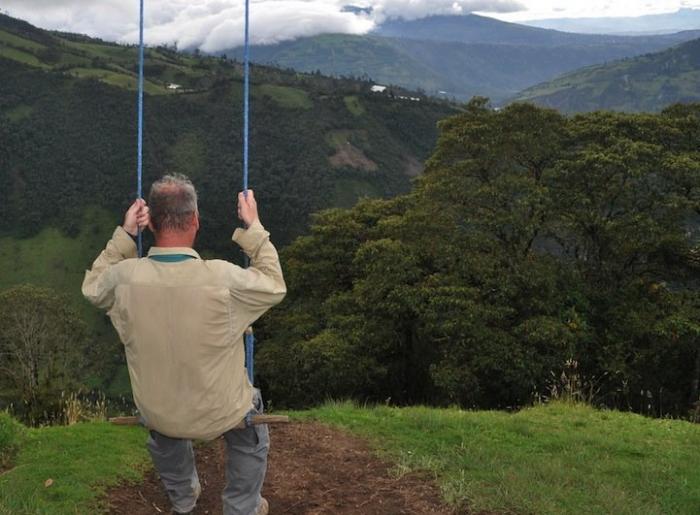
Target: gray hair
172,202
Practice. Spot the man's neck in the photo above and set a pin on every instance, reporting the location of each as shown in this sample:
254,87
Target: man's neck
174,239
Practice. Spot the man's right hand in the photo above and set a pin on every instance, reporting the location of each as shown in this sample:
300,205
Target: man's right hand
247,208
137,217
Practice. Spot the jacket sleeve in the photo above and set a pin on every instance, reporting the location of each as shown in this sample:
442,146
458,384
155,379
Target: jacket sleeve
99,283
260,286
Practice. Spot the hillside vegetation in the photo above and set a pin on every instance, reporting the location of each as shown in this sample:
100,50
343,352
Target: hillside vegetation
682,19
556,459
533,244
646,83
68,155
65,470
472,28
456,56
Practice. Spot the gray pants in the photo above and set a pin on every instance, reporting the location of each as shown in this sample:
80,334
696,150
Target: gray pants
246,464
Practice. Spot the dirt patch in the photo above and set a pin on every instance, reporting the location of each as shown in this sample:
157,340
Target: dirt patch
312,470
413,167
349,155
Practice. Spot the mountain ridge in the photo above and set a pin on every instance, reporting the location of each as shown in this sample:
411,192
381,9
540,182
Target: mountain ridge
645,83
464,56
683,19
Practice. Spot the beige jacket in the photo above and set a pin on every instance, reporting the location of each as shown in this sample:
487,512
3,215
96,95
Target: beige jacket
182,326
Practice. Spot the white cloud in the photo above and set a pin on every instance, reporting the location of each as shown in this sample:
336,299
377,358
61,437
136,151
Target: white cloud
415,9
218,24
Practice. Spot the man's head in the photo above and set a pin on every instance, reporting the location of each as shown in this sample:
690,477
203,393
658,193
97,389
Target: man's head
173,208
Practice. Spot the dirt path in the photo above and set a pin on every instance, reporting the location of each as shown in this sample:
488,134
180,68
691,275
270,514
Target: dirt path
312,470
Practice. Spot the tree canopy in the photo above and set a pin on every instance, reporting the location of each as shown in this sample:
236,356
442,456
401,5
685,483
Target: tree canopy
532,239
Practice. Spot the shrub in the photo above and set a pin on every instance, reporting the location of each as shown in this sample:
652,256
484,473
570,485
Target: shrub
11,435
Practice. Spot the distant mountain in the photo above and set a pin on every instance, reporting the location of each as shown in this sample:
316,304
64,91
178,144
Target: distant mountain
489,58
67,132
472,28
647,83
683,19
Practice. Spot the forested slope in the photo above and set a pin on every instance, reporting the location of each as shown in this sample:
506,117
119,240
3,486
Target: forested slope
457,56
68,133
68,153
645,83
534,245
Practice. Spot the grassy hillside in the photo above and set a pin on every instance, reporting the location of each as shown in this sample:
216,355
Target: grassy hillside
65,470
472,28
683,19
462,56
556,459
68,148
67,104
647,83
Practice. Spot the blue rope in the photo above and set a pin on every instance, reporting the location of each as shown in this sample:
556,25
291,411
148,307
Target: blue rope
139,159
249,338
246,97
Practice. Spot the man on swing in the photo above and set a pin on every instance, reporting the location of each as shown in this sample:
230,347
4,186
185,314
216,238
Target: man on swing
181,320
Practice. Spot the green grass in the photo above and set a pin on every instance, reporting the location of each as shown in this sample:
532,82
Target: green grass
55,260
121,80
19,42
555,459
11,437
81,460
21,56
100,50
19,112
354,105
339,138
287,97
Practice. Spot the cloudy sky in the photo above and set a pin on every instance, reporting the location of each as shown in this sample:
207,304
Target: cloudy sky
217,24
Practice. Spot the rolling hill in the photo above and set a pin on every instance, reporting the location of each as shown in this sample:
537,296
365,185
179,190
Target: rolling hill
456,56
646,83
472,28
683,19
68,148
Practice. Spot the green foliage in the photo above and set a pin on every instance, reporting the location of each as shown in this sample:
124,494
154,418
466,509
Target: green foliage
11,438
42,345
82,461
291,98
649,82
460,61
554,459
70,135
531,239
67,155
354,105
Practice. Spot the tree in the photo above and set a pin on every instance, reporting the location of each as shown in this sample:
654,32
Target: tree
42,344
531,239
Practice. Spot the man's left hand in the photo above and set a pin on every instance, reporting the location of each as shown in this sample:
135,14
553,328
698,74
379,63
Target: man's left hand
137,216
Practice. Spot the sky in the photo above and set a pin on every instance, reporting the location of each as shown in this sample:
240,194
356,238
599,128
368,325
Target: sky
213,25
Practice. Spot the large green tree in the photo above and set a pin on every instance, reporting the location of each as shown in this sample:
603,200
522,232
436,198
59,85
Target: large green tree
531,239
42,349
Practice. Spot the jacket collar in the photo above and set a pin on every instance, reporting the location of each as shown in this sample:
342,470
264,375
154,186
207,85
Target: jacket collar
165,251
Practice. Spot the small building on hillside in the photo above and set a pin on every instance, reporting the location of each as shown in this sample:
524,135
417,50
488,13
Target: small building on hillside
378,89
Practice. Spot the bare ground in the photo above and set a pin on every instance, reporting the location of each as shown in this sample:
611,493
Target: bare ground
312,469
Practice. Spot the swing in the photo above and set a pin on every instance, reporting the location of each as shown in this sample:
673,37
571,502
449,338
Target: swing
249,337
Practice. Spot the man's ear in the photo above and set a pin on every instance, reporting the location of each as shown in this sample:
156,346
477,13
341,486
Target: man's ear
196,220
150,226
